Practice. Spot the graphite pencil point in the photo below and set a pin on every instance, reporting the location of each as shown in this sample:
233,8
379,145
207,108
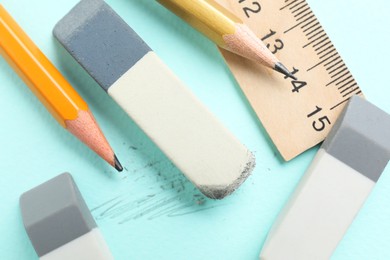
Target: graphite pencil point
226,30
118,165
279,67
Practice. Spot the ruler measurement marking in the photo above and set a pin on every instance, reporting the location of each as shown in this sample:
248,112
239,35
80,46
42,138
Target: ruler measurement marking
292,7
322,46
288,5
316,34
324,50
298,14
350,76
345,79
346,89
314,20
304,15
335,64
329,52
337,79
351,91
318,43
342,78
313,41
314,30
338,83
338,68
322,62
342,102
338,73
325,44
346,84
330,62
341,92
300,23
299,8
311,27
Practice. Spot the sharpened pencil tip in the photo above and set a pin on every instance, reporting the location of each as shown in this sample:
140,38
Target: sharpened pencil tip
279,67
118,165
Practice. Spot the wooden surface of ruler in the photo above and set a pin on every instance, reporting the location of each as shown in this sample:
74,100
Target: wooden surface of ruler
297,114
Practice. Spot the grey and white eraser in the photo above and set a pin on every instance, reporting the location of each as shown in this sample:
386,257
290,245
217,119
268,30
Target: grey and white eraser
335,186
361,138
59,223
147,90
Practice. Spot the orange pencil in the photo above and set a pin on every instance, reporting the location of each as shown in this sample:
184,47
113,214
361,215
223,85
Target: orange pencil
52,89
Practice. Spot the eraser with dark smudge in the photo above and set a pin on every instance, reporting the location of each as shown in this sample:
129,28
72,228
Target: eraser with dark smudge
147,90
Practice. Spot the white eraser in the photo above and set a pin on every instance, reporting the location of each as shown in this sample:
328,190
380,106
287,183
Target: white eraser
59,223
161,105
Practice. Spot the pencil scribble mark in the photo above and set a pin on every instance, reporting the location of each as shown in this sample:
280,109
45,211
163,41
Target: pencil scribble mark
154,194
151,207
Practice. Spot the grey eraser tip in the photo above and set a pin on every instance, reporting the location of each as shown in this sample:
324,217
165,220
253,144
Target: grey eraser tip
361,138
100,40
54,213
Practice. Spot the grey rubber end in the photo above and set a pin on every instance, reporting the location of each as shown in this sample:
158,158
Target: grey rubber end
100,40
361,138
79,15
54,213
219,192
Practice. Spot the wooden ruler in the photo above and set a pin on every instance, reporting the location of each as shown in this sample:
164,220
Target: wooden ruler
297,114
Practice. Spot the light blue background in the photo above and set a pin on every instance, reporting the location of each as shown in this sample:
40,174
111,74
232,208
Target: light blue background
150,211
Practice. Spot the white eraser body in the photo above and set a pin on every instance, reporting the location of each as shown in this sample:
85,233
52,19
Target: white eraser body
182,127
319,213
89,246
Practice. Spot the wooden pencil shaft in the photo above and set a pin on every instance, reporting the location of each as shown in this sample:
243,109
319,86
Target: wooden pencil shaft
207,16
44,80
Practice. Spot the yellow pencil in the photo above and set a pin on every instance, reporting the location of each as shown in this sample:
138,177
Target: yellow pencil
52,89
225,29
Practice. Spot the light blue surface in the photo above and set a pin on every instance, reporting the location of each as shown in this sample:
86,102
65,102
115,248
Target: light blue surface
150,211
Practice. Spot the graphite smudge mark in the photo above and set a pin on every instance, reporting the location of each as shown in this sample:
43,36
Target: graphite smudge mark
105,203
150,207
158,190
176,197
148,165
